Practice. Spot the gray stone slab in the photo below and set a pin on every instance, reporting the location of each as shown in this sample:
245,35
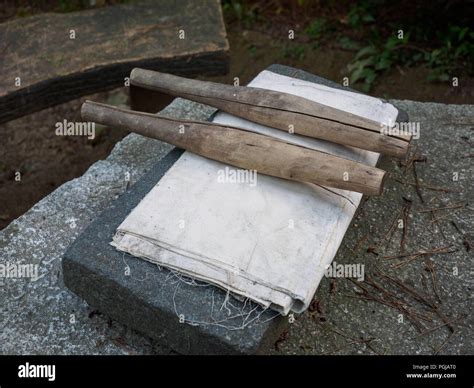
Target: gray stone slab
42,316
342,323
190,317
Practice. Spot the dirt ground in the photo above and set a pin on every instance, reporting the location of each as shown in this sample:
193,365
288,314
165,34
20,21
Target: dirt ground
29,144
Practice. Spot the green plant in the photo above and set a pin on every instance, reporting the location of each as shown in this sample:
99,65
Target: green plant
69,6
361,14
247,15
375,59
295,52
317,28
252,50
347,43
456,52
22,12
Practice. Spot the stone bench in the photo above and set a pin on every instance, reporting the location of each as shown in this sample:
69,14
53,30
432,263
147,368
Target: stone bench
44,317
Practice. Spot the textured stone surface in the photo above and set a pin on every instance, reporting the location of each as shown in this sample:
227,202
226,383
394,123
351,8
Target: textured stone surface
36,316
341,323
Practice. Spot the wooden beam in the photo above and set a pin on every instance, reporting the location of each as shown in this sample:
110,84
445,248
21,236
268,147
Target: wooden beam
43,66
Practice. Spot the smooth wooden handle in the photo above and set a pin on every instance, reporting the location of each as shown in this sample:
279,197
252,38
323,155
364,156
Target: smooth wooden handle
279,110
244,149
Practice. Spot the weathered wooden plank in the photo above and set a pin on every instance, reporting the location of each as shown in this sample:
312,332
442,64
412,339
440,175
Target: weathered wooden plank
42,66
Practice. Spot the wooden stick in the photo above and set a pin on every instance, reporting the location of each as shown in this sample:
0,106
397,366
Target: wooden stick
279,110
244,149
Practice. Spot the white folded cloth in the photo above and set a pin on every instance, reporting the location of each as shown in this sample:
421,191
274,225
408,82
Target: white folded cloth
270,241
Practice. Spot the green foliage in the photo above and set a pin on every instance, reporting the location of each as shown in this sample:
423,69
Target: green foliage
22,12
247,15
456,52
252,50
361,14
348,44
295,52
317,29
70,6
375,59
435,36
